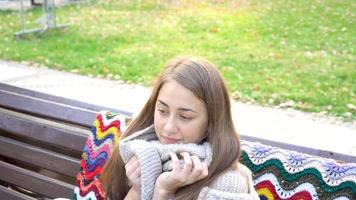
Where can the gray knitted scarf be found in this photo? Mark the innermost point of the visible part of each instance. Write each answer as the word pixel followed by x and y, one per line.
pixel 154 157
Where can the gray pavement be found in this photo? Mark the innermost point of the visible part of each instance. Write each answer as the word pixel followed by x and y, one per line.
pixel 287 126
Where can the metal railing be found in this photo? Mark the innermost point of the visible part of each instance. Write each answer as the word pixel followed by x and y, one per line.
pixel 47 21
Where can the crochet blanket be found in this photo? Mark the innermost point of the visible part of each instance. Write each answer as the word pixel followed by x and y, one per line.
pixel 105 134
pixel 282 174
pixel 277 173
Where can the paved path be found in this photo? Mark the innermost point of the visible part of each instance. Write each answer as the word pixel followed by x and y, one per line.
pixel 279 125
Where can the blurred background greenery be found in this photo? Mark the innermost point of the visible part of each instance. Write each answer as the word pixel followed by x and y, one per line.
pixel 298 54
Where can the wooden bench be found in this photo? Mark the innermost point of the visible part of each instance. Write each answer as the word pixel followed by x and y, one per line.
pixel 41 142
pixel 42 139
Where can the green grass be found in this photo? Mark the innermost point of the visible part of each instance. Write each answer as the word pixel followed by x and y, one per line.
pixel 269 51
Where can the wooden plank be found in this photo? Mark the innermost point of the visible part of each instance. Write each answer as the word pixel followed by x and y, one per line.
pixel 43 130
pixel 59 99
pixel 48 109
pixel 301 149
pixel 39 157
pixel 35 182
pixel 8 194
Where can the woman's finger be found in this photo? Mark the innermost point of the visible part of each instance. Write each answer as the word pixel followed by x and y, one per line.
pixel 205 169
pixel 137 172
pixel 175 162
pixel 132 166
pixel 198 167
pixel 133 172
pixel 188 164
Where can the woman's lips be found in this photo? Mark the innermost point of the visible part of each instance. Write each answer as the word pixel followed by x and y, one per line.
pixel 168 140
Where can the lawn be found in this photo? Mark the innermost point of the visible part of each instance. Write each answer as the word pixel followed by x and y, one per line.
pixel 271 52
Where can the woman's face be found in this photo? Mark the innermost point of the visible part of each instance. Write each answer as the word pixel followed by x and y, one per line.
pixel 180 117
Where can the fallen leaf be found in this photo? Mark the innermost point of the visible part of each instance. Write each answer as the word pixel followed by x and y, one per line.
pixel 214 30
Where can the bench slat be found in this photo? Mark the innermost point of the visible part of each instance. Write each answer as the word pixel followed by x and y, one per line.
pixel 9 194
pixel 49 109
pixel 38 183
pixel 49 97
pixel 302 149
pixel 43 130
pixel 39 157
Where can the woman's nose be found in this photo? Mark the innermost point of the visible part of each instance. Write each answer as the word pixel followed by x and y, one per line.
pixel 170 126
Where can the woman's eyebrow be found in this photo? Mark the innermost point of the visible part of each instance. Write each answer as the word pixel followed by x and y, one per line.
pixel 182 109
pixel 162 102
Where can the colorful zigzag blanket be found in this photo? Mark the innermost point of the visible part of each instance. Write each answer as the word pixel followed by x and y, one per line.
pixel 283 174
pixel 278 173
pixel 105 134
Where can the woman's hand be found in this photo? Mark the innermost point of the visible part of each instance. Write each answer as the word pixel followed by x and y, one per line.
pixel 192 171
pixel 133 173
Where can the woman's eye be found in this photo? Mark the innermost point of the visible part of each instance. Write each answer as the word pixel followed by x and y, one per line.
pixel 185 117
pixel 162 111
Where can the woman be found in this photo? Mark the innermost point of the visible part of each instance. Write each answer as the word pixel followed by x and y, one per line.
pixel 183 144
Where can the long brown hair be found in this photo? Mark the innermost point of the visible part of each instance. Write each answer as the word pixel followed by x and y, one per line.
pixel 203 79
